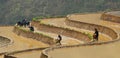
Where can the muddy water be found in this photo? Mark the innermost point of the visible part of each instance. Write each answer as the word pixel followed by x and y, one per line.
pixel 4 41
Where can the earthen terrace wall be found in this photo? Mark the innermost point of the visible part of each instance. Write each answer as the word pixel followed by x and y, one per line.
pixel 34 35
pixel 109 17
pixel 60 30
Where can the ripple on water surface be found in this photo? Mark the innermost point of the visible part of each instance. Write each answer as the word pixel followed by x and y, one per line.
pixel 4 41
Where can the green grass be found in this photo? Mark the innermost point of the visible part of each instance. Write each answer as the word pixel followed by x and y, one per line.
pixel 46 17
pixel 89 35
pixel 22 29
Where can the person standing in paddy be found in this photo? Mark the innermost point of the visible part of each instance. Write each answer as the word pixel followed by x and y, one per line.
pixel 96 35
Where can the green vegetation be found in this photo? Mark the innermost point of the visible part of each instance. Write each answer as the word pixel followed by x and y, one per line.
pixel 89 35
pixel 45 17
pixel 37 18
pixel 12 11
pixel 20 28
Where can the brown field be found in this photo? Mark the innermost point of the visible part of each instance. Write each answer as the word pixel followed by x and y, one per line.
pixel 97 51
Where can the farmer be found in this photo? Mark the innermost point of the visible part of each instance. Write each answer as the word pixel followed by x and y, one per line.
pixel 96 34
pixel 59 39
pixel 24 21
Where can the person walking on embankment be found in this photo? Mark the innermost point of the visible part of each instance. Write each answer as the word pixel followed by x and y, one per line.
pixel 59 39
pixel 95 35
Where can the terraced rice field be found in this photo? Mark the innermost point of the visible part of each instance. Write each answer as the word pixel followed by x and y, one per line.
pixel 97 51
